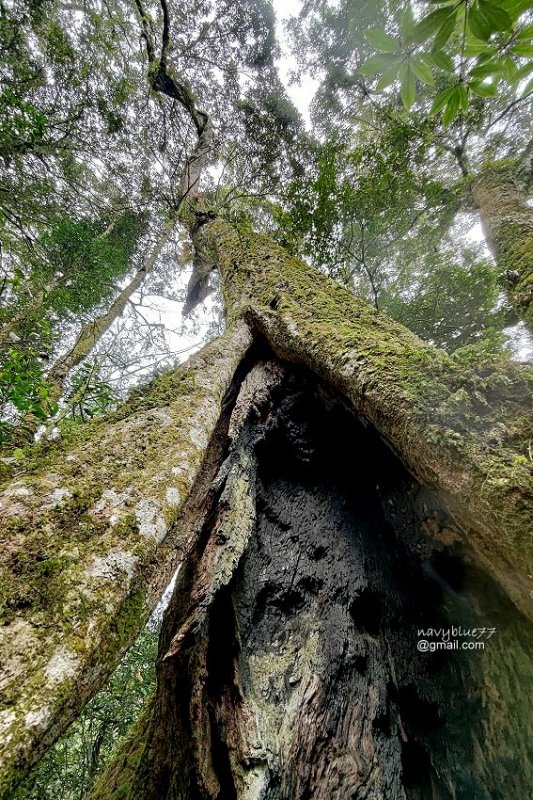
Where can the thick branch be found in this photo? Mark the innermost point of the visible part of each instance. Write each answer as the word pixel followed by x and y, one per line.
pixel 89 542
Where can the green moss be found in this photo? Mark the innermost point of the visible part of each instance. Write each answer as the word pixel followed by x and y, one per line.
pixel 458 422
pixel 120 779
pixel 82 552
pixel 132 616
pixel 515 255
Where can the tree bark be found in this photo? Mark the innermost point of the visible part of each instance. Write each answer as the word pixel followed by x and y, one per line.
pixel 463 435
pixel 288 665
pixel 448 423
pixel 507 222
pixel 91 538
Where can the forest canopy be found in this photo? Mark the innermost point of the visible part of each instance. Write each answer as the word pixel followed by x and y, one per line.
pixel 415 103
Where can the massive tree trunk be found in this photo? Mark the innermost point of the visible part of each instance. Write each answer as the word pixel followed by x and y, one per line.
pixel 287 662
pixel 288 659
pixel 507 222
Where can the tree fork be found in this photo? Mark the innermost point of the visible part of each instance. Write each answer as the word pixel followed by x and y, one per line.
pixel 104 506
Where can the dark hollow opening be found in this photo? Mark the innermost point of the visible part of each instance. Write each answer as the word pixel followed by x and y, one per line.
pixel 320 624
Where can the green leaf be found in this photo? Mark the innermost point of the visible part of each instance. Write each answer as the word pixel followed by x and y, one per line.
pixel 523 72
pixel 452 106
pixel 408 86
pixel 407 23
pixel 479 24
pixel 422 71
pixel 484 89
pixel 388 77
pixel 523 50
pixel 515 7
pixel 442 60
pixel 18 453
pixel 489 68
pixel 429 25
pixel 377 63
pixel 445 32
pixel 442 99
pixel 381 40
pixel 525 34
pixel 476 47
pixel 496 16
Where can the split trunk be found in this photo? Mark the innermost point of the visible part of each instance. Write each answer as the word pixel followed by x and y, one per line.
pixel 330 485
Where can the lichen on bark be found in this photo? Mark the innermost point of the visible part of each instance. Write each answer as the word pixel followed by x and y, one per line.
pixel 90 539
pixel 507 221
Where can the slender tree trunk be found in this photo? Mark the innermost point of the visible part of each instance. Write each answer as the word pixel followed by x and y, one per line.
pixel 507 222
pixel 92 332
pixel 89 535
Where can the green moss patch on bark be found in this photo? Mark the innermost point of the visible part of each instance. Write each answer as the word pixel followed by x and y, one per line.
pixel 507 222
pixel 117 781
pixel 89 542
pixel 462 430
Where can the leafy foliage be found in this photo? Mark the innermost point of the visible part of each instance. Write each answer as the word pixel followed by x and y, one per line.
pixel 471 45
pixel 69 769
pixel 455 303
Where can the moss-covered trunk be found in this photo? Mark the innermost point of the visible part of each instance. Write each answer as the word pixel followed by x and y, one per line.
pixel 288 663
pixel 95 530
pixel 91 532
pixel 507 222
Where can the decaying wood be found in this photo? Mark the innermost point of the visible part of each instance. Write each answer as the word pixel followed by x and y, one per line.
pixel 288 662
pixel 463 434
pixel 462 430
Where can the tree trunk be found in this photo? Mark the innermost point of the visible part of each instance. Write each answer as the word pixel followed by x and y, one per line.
pixel 93 331
pixel 332 372
pixel 89 336
pixel 507 222
pixel 288 663
pixel 90 539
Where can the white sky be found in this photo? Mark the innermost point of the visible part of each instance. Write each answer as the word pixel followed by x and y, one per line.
pixel 300 94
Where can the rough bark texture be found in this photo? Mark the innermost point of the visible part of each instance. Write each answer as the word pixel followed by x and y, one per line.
pixel 100 509
pixel 464 432
pixel 507 222
pixel 90 539
pixel 288 662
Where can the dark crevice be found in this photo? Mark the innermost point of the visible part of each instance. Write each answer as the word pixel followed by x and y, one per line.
pixel 318 630
pixel 221 654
